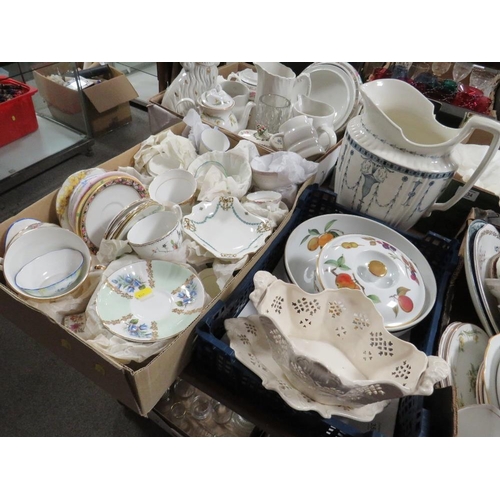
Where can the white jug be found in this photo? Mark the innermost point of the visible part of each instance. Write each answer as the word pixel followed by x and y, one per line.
pixel 395 159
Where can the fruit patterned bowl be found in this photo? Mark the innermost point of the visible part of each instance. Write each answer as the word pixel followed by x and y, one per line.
pixel 382 272
pixel 333 346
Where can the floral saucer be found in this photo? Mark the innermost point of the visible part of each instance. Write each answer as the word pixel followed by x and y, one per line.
pixel 149 301
pixel 252 350
pixel 242 232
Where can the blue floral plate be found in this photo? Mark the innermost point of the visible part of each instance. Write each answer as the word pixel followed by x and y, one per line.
pixel 150 301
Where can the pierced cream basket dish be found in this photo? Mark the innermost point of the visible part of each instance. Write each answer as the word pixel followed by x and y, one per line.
pixel 332 346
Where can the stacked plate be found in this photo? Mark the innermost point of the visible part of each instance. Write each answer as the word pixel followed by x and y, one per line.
pixel 404 281
pixel 463 346
pixel 89 200
pixel 482 246
pixel 338 84
pixel 121 224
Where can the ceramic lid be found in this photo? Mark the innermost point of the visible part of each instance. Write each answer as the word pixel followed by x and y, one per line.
pixel 382 272
pixel 217 98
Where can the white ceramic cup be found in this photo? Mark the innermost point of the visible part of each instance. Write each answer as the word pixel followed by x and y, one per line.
pixel 213 140
pixel 155 236
pixel 322 115
pixel 299 136
pixel 175 186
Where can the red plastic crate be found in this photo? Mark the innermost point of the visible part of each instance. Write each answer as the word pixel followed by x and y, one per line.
pixel 17 116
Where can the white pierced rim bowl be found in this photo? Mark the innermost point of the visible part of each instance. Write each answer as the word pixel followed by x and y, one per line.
pixel 50 274
pixel 333 346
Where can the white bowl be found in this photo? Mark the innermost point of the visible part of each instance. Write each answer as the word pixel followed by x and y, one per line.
pixel 333 345
pixel 34 243
pixel 51 274
pixel 231 166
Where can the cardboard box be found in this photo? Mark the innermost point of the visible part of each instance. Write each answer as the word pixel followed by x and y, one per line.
pixel 106 105
pixel 137 386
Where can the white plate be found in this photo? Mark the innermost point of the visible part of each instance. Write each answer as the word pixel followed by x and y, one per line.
pixel 486 246
pixel 333 85
pixel 107 199
pixel 470 275
pixel 467 346
pixel 491 362
pixel 149 301
pixel 380 270
pixel 226 229
pixel 479 421
pixel 301 255
pixel 251 348
pixel 16 227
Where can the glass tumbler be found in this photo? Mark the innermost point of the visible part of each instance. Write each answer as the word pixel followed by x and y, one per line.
pixel 272 110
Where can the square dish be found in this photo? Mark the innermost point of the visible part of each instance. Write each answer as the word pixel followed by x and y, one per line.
pixel 226 229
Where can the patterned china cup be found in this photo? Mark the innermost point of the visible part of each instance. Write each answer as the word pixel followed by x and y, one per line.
pixel 158 234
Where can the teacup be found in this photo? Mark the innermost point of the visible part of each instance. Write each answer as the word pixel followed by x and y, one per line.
pixel 213 140
pixel 174 186
pixel 299 136
pixel 155 236
pixel 322 115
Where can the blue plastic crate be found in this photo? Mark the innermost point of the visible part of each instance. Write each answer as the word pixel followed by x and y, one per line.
pixel 217 361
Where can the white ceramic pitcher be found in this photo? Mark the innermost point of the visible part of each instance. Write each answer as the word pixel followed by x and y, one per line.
pixel 395 159
pixel 276 78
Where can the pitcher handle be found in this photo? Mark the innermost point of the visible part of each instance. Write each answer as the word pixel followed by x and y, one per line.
pixel 330 133
pixel 479 123
pixel 303 77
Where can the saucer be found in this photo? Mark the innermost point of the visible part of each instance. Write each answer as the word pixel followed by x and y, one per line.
pixel 251 348
pixel 148 301
pixel 251 135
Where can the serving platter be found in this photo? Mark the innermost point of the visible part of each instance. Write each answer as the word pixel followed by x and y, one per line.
pixel 486 245
pixel 150 301
pixel 471 278
pixel 243 233
pixel 465 353
pixel 332 84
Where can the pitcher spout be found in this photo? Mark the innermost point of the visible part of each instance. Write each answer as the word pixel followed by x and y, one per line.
pixel 403 115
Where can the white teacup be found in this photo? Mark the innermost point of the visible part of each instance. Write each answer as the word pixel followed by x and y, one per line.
pixel 299 136
pixel 155 236
pixel 213 140
pixel 174 186
pixel 322 115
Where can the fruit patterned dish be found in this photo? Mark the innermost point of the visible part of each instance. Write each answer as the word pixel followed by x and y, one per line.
pixel 381 271
pixel 307 240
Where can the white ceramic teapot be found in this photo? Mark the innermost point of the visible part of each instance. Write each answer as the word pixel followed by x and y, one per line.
pixel 216 107
pixel 395 159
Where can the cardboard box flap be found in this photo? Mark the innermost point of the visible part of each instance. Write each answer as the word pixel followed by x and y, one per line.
pixel 111 93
